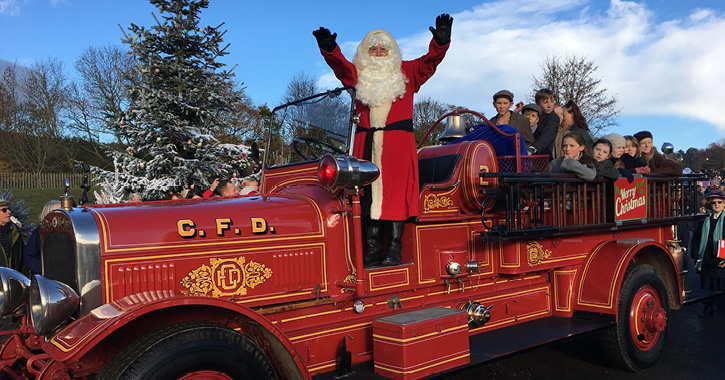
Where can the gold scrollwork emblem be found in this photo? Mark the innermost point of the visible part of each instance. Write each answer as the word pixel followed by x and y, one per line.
pixel 225 277
pixel 536 253
pixel 433 201
pixel 350 279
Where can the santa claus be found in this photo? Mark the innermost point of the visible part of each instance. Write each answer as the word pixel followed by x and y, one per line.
pixel 385 85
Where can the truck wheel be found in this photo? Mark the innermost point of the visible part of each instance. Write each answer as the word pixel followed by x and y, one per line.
pixel 189 351
pixel 637 341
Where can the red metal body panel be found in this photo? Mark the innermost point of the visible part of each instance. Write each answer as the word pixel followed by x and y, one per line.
pixel 602 274
pixel 416 344
pixel 75 340
pixel 462 192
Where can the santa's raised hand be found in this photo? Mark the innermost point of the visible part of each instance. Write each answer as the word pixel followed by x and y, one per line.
pixel 442 31
pixel 326 40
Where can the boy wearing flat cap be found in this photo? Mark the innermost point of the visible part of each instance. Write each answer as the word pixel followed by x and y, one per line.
pixel 503 101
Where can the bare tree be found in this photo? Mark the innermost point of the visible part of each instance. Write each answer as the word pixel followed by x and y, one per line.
pixel 98 98
pixel 32 122
pixel 301 85
pixel 10 105
pixel 426 111
pixel 573 78
pixel 243 122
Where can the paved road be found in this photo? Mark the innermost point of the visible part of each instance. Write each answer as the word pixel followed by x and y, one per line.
pixel 694 350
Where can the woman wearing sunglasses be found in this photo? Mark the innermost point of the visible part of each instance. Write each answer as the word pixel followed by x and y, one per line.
pixel 708 249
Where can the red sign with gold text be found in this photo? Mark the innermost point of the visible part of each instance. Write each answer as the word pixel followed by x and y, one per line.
pixel 630 199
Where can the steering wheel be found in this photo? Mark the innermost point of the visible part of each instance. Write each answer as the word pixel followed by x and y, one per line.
pixel 312 148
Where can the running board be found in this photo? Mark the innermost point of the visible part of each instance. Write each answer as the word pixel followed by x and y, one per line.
pixel 699 295
pixel 505 341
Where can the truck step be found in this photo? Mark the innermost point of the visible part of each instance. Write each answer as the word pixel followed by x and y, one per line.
pixel 506 341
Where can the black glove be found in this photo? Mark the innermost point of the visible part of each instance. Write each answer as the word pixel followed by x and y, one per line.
pixel 627 174
pixel 442 32
pixel 325 40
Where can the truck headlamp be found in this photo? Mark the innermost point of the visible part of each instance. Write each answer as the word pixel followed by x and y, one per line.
pixel 51 303
pixel 345 171
pixel 14 291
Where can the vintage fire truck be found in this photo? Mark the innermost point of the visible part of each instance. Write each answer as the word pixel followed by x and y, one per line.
pixel 503 256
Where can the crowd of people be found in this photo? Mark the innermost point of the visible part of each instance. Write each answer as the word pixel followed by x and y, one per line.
pixel 562 133
pixel 220 187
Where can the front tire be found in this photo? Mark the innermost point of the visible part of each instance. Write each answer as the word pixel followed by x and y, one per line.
pixel 191 350
pixel 637 341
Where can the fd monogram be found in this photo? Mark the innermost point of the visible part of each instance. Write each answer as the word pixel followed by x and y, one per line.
pixel 225 277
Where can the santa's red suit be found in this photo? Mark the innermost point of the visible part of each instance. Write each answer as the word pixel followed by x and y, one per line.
pixel 395 193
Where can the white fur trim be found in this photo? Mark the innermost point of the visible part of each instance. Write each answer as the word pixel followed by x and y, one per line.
pixel 378 117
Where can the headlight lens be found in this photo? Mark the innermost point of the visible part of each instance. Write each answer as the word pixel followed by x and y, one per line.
pixel 14 290
pixel 51 303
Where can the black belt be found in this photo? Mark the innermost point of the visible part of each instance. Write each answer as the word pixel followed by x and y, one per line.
pixel 402 125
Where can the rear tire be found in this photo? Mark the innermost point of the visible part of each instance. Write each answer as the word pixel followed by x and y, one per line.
pixel 191 350
pixel 637 341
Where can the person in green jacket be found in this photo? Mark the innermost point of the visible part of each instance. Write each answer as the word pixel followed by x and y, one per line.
pixel 601 150
pixel 11 241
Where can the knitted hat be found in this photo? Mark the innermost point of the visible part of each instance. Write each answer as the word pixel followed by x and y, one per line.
pixel 616 139
pixel 642 135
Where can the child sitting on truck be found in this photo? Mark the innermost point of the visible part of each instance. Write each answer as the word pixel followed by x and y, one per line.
pixel 576 159
pixel 601 150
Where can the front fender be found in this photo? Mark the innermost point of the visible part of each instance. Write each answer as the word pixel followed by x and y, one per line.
pixel 601 277
pixel 133 314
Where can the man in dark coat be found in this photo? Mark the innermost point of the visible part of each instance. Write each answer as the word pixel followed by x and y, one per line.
pixel 11 241
pixel 545 134
pixel 385 85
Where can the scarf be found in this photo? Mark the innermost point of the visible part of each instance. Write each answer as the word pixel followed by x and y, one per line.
pixel 716 236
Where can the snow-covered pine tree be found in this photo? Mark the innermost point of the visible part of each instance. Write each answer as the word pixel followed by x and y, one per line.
pixel 180 95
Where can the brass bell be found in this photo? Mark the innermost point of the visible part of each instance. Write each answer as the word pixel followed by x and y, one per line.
pixel 455 129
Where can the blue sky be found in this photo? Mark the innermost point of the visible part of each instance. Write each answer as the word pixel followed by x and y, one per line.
pixel 663 59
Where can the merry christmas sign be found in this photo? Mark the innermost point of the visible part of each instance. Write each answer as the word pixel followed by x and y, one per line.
pixel 630 199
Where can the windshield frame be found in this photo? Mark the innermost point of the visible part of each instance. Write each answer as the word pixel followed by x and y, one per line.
pixel 350 138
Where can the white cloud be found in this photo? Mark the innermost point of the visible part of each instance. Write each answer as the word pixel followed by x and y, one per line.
pixel 11 7
pixel 673 66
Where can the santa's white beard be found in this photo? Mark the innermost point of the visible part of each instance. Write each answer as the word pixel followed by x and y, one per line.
pixel 380 81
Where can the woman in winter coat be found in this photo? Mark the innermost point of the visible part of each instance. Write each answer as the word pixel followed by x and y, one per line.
pixel 658 164
pixel 705 245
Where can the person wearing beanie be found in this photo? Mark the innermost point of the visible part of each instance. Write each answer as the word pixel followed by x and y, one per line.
pixel 502 102
pixel 625 162
pixel 658 164
pixel 11 241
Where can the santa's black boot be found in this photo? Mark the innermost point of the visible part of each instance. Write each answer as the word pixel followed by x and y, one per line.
pixel 393 232
pixel 373 244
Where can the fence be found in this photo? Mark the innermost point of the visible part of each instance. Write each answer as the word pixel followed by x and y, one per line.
pixel 41 180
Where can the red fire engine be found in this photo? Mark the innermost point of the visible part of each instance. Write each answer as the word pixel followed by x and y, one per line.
pixel 503 256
